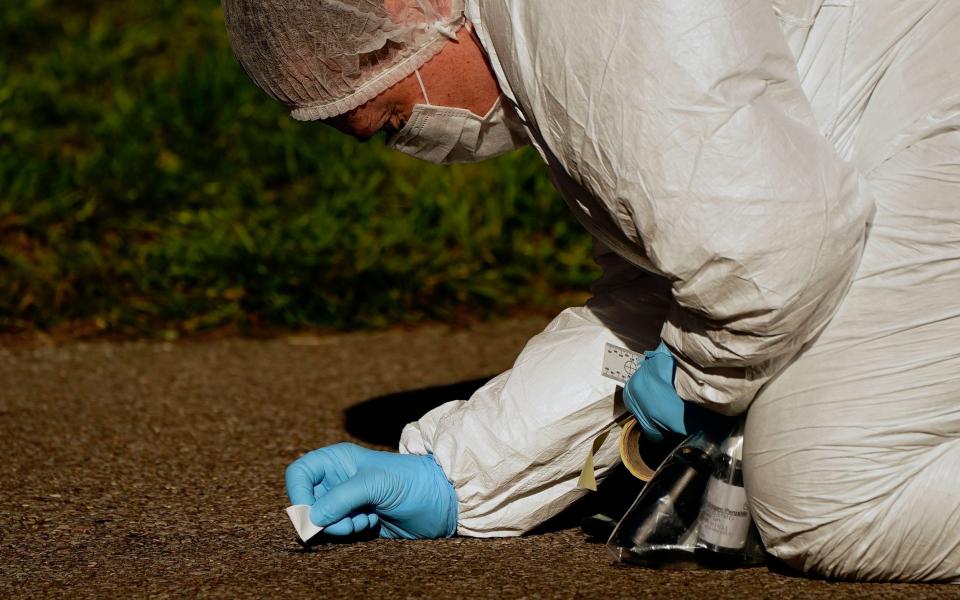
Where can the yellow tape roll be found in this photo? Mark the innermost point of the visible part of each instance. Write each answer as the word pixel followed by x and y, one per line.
pixel 631 436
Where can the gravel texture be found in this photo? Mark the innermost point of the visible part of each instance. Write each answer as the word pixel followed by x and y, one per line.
pixel 155 469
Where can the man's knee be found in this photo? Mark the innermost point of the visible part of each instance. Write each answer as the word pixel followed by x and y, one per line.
pixel 902 527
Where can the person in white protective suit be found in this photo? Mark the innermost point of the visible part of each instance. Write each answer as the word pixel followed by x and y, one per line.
pixel 774 189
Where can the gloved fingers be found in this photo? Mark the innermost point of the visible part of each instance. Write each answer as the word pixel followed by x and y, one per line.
pixel 390 531
pixel 650 401
pixel 361 522
pixel 352 525
pixel 341 528
pixel 321 488
pixel 302 476
pixel 341 501
pixel 325 467
pixel 651 432
pixel 651 397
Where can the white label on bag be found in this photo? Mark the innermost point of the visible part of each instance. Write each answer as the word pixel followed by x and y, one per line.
pixel 619 363
pixel 725 518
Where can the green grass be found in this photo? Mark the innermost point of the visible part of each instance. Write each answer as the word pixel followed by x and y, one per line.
pixel 147 186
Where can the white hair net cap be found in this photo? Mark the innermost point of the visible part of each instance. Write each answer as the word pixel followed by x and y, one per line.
pixel 323 58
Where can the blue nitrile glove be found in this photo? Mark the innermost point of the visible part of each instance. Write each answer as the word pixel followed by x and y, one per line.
pixel 651 397
pixel 352 489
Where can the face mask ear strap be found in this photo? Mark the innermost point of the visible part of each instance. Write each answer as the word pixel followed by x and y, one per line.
pixel 422 88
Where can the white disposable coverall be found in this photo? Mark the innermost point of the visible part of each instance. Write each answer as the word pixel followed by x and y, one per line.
pixel 728 156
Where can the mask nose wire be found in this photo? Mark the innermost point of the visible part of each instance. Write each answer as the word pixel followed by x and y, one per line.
pixel 422 88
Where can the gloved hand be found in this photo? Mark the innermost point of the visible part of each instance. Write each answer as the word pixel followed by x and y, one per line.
pixel 352 489
pixel 651 397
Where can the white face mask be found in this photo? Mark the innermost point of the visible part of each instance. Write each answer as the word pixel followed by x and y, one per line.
pixel 444 135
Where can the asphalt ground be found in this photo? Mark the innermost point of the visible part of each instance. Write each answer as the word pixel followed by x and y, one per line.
pixel 155 469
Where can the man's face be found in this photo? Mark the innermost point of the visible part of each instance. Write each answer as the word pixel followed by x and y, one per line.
pixel 365 121
pixel 387 112
pixel 458 76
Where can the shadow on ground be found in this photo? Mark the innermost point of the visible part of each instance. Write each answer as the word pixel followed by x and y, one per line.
pixel 380 420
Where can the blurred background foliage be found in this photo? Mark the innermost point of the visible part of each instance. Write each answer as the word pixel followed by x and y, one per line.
pixel 148 188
